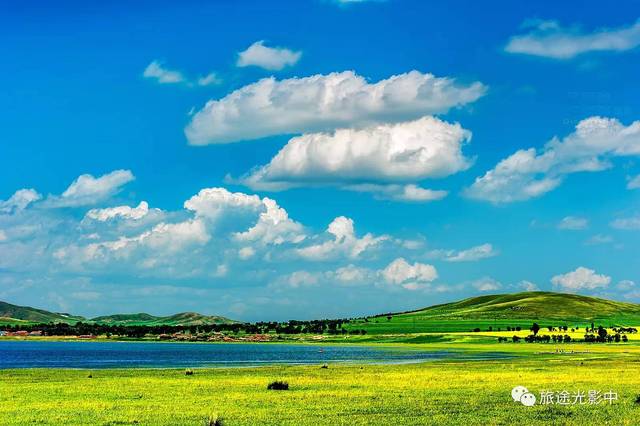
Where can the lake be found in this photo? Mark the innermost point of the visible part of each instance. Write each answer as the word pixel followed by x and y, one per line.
pixel 42 354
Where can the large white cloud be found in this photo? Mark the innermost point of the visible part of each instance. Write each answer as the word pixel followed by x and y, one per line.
pixel 549 39
pixel 273 224
pixel 528 173
pixel 580 279
pixel 324 102
pixel 408 151
pixel 211 203
pixel 87 189
pixel 269 58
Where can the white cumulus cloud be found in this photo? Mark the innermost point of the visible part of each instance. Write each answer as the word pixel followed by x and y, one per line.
pixel 529 173
pixel 87 189
pixel 409 151
pixel 273 227
pixel 323 103
pixel 269 58
pixel 549 39
pixel 409 276
pixel 344 242
pixel 19 200
pixel 580 279
pixel 125 212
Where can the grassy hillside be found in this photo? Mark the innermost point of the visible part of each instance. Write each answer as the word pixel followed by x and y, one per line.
pixel 14 314
pixel 506 310
pixel 17 315
pixel 184 318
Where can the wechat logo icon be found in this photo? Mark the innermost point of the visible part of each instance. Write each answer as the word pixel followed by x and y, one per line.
pixel 522 395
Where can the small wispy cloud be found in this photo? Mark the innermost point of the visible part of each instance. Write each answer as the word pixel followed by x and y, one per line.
pixel 269 58
pixel 573 223
pixel 634 183
pixel 551 40
pixel 627 223
pixel 157 71
pixel 472 254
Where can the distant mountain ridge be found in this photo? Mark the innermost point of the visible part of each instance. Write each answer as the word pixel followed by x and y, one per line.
pixel 14 314
pixel 182 318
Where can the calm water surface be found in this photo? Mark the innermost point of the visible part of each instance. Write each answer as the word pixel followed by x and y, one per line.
pixel 40 354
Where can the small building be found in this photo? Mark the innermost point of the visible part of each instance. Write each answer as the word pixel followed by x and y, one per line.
pixel 35 333
pixel 22 333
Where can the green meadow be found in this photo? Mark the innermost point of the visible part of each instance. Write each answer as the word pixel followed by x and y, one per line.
pixel 457 391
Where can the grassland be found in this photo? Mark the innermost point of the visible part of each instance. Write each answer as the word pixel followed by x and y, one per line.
pixel 439 392
pixel 502 311
pixel 460 392
pixel 14 314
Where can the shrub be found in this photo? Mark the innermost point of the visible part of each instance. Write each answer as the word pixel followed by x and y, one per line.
pixel 637 399
pixel 278 385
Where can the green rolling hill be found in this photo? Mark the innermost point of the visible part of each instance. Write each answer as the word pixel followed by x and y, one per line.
pixel 505 310
pixel 183 318
pixel 16 315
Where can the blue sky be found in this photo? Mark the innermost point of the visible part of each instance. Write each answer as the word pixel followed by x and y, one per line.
pixel 276 160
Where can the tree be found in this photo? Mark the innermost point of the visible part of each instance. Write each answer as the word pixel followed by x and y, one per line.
pixel 535 328
pixel 602 333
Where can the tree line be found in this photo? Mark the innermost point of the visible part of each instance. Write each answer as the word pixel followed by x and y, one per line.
pixel 138 331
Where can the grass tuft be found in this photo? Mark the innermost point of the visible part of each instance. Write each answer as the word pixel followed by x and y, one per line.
pixel 214 421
